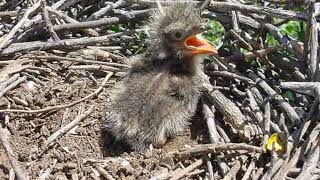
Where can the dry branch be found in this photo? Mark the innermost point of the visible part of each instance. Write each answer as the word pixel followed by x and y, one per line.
pixel 209 117
pixel 12 85
pixel 96 68
pixel 98 23
pixel 7 82
pixel 224 18
pixel 259 10
pixel 8 13
pixel 4 138
pixel 49 25
pixel 286 107
pixel 62 44
pixel 65 129
pixel 59 58
pixel 232 113
pixel 202 149
pixel 312 46
pixel 230 75
pixel 58 107
pixel 5 42
pixel 104 173
pixel 249 170
pixel 233 171
pixel 182 172
pixel 68 19
pixel 101 12
pixel 87 24
pixel 308 88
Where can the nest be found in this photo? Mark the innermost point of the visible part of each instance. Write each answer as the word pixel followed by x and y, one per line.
pixel 258 119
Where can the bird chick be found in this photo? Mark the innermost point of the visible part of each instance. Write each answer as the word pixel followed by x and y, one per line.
pixel 160 93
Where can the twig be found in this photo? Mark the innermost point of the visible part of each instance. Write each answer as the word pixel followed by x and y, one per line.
pixel 257 174
pixel 59 5
pixel 99 22
pixel 312 48
pixel 232 113
pixel 104 10
pixel 183 172
pixel 210 169
pixel 150 2
pixel 5 41
pixel 67 43
pixel 290 163
pixel 209 117
pixel 267 120
pixel 235 21
pixel 4 138
pixel 46 173
pixel 7 82
pixel 216 148
pixel 233 171
pixel 239 38
pixel 9 13
pixel 273 169
pixel 12 85
pixel 223 134
pixel 301 87
pixel 104 173
pixel 259 10
pixel 230 75
pixel 205 4
pixel 63 130
pixel 60 58
pixel 311 163
pixel 58 107
pixel 87 24
pixel 223 18
pixel 96 67
pixel 263 52
pixel 249 170
pixel 290 45
pixel 286 107
pixel 48 22
pixel 71 20
pixel 195 172
pixel 62 4
pixel 254 107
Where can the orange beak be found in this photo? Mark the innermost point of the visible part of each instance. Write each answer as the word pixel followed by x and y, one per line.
pixel 197 45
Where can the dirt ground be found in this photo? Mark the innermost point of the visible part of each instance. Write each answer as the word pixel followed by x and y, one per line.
pixel 76 154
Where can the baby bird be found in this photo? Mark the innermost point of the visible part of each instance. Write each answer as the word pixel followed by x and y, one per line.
pixel 160 93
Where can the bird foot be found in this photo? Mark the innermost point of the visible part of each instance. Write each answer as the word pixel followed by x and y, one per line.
pixel 160 140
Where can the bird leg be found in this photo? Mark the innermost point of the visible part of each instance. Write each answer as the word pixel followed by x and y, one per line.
pixel 160 139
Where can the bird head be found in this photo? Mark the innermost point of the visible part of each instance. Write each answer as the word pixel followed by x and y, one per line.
pixel 176 31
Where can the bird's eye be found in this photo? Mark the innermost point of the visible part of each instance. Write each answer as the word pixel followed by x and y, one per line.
pixel 177 35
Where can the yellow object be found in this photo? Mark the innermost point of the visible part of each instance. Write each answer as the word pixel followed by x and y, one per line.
pixel 274 143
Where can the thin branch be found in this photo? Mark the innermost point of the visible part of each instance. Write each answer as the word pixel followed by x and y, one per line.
pixel 6 40
pixel 4 139
pixel 48 22
pixel 185 171
pixel 58 107
pixel 62 44
pixel 202 149
pixel 259 10
pixel 63 130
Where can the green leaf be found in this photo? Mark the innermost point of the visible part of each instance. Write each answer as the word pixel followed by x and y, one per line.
pixel 271 41
pixel 295 29
pixel 215 33
pixel 289 94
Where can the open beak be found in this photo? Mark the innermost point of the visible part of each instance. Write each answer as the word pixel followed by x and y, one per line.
pixel 198 45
